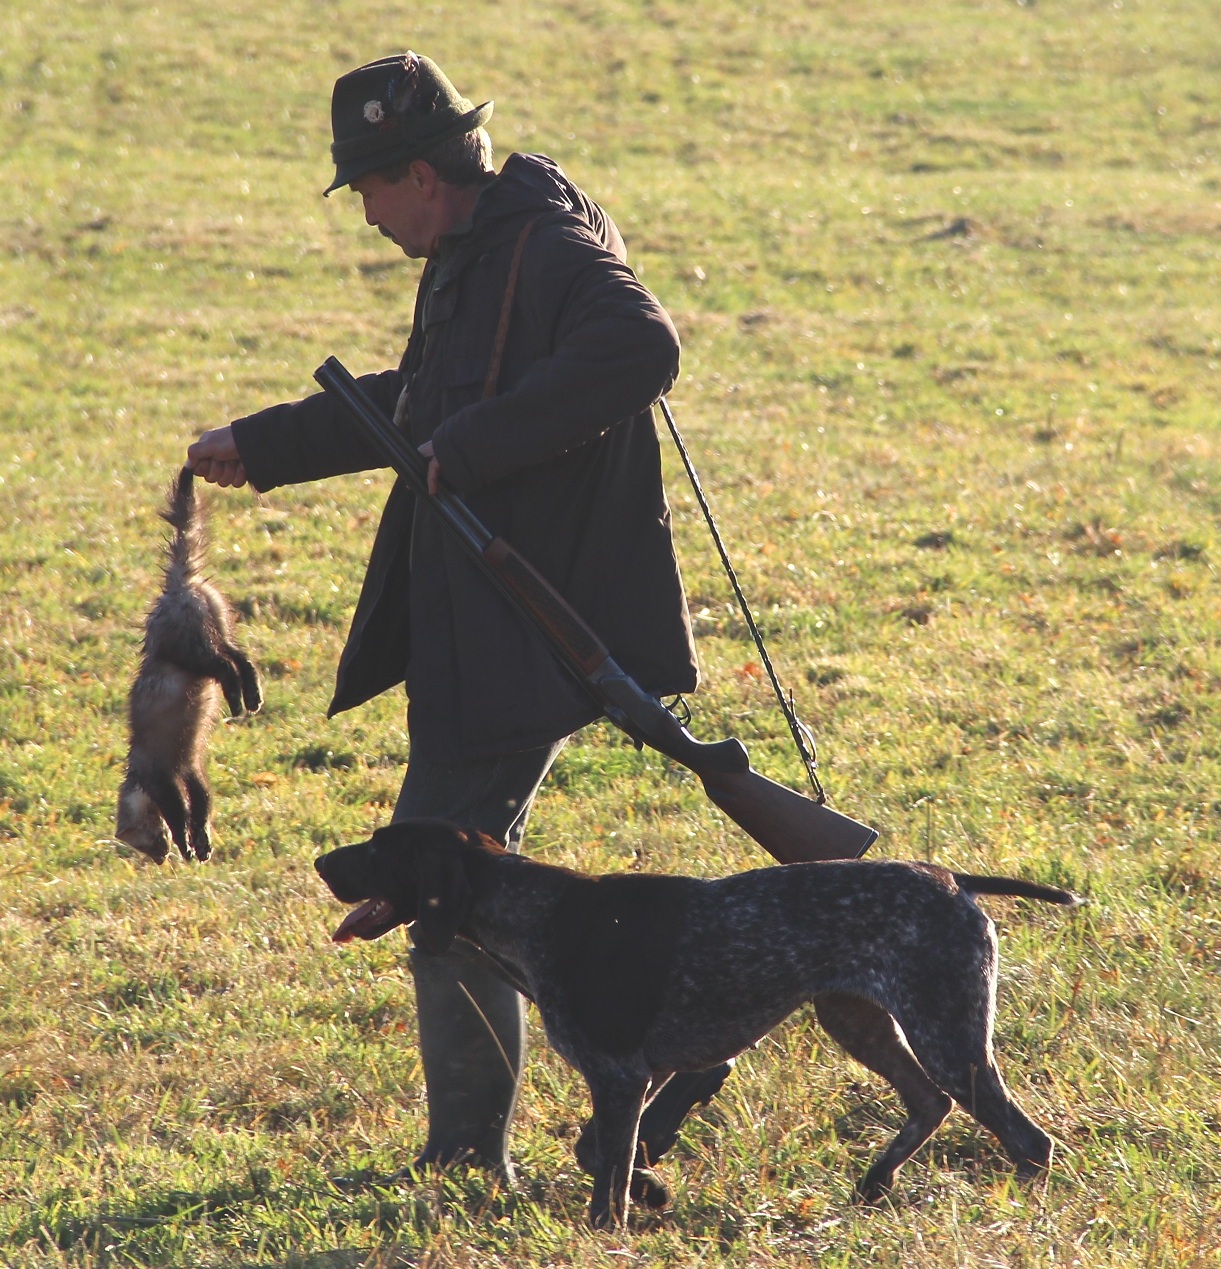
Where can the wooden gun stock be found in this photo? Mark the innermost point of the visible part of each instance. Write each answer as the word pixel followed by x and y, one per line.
pixel 789 826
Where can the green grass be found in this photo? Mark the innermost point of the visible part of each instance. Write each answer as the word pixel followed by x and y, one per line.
pixel 946 278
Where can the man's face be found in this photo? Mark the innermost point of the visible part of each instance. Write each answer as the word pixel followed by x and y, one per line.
pixel 398 210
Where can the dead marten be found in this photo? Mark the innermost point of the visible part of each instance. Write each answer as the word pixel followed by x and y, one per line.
pixel 189 662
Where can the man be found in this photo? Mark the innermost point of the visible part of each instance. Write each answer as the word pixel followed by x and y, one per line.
pixel 534 359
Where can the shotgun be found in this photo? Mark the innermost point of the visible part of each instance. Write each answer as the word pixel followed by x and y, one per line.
pixel 791 827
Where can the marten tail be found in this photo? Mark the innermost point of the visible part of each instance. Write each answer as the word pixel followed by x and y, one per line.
pixel 186 548
pixel 1020 889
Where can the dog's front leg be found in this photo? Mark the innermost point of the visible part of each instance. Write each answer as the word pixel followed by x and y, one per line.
pixel 618 1094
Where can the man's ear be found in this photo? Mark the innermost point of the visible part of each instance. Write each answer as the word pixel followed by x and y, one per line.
pixel 444 896
pixel 423 177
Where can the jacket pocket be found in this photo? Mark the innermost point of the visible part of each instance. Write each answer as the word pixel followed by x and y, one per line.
pixel 462 385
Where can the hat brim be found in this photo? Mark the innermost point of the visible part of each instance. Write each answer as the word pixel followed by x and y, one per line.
pixel 400 151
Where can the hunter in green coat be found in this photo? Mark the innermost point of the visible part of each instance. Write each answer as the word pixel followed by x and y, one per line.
pixel 562 462
pixel 534 359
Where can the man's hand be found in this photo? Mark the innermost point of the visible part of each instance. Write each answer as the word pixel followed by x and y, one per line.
pixel 214 458
pixel 434 468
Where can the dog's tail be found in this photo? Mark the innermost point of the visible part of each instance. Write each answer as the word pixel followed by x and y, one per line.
pixel 186 548
pixel 1020 889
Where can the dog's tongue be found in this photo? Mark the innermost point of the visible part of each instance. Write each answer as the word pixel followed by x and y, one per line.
pixel 370 915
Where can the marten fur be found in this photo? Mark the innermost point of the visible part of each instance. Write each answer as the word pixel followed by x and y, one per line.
pixel 189 662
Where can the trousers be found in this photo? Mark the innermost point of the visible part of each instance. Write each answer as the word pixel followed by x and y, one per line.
pixel 472 1023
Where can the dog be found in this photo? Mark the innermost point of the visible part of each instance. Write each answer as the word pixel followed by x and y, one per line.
pixel 638 976
pixel 189 662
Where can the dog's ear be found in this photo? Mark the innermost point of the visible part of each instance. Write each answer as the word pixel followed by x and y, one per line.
pixel 444 896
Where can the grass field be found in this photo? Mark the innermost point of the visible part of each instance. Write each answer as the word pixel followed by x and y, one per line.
pixel 947 279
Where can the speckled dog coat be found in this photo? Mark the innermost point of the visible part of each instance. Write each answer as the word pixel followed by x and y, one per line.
pixel 639 976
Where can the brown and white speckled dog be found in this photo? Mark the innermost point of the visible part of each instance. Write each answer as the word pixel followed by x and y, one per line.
pixel 639 976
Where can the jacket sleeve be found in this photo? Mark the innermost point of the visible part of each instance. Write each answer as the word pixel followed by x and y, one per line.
pixel 613 352
pixel 309 439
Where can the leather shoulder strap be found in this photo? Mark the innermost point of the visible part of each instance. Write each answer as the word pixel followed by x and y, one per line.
pixel 506 309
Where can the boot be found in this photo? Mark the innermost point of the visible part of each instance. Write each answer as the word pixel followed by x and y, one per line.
pixel 472 1042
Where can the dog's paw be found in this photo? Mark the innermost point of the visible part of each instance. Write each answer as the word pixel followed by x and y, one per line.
pixel 649 1189
pixel 586 1150
pixel 875 1185
pixel 1034 1171
pixel 602 1217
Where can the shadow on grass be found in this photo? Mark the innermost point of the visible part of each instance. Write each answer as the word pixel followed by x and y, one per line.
pixel 152 1229
pixel 385 1258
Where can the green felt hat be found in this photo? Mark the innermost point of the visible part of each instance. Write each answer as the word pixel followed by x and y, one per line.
pixel 391 111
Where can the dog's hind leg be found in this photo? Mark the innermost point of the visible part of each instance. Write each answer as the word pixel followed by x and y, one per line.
pixel 618 1098
pixel 871 1036
pixel 954 1045
pixel 976 1085
pixel 1025 1142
